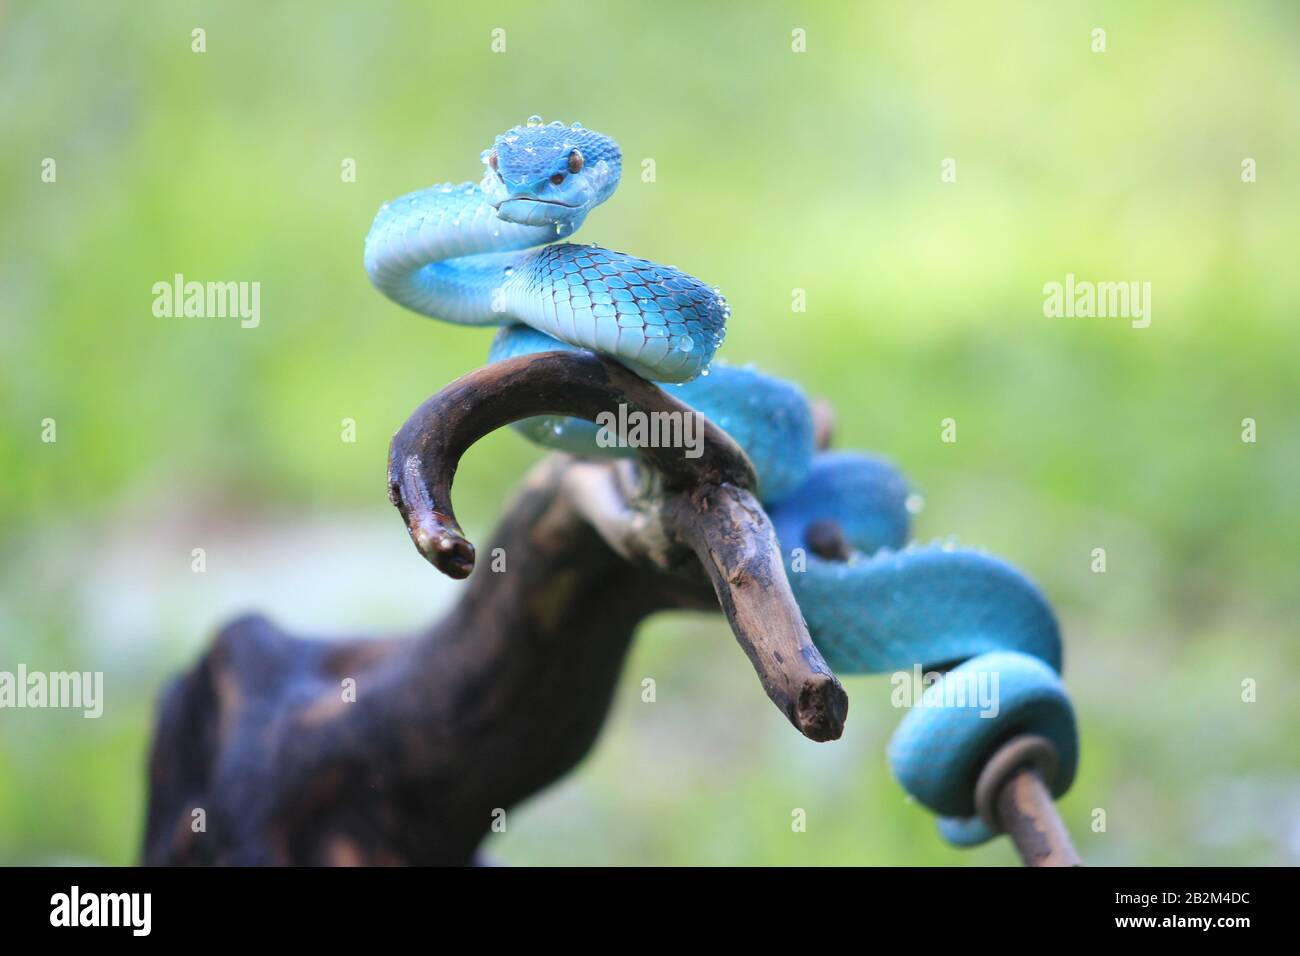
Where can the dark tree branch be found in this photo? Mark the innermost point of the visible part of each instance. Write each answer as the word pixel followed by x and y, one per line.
pixel 730 533
pixel 704 504
pixel 509 690
pixel 499 698
pixel 424 453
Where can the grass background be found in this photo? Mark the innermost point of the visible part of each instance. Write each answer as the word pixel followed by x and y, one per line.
pixel 775 171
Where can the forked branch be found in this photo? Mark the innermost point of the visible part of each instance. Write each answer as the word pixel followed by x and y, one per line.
pixel 507 691
pixel 700 506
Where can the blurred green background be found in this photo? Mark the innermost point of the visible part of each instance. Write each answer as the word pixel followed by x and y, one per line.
pixel 775 171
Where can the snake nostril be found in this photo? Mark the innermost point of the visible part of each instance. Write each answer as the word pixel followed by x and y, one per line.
pixel 557 178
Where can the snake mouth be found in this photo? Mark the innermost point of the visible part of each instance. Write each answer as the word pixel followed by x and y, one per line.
pixel 534 211
pixel 537 202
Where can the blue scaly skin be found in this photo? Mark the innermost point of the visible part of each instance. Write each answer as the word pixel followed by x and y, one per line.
pixel 889 606
pixel 464 254
pixel 486 255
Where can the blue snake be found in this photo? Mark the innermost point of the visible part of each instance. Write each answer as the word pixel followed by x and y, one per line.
pixel 486 254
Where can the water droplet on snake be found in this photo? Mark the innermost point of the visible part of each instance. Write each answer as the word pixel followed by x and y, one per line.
pixel 686 343
pixel 534 120
pixel 915 504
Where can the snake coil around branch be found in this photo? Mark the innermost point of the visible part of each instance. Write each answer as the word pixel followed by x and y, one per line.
pixel 485 255
pixel 805 550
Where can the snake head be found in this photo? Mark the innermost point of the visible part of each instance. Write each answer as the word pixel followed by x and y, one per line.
pixel 550 175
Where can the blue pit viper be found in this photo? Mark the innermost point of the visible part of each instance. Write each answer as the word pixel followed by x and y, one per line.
pixel 485 254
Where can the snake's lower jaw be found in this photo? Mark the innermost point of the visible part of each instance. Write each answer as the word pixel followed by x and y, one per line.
pixel 533 212
pixel 443 545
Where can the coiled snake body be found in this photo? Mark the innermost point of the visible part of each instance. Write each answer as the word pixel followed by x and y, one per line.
pixel 484 254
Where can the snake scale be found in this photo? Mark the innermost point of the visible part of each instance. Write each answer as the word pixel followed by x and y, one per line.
pixel 487 254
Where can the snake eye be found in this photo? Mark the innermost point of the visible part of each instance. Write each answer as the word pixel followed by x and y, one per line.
pixel 575 162
pixel 557 178
pixel 492 159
